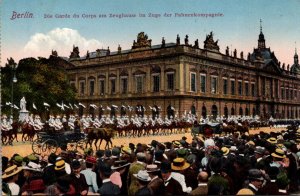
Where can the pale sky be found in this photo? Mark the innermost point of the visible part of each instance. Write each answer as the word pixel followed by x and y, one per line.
pixel 237 27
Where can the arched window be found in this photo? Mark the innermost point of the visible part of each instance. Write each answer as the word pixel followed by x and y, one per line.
pixel 170 111
pixel 253 112
pixel 247 111
pixel 193 110
pixel 204 112
pixel 241 111
pixel 214 111
pixel 232 111
pixel 226 112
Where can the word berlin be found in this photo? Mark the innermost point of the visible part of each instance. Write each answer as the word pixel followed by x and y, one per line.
pixel 16 15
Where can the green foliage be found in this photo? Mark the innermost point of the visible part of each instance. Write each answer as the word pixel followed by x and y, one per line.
pixel 39 80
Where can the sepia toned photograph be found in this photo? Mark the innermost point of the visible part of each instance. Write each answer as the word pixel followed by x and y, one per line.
pixel 167 97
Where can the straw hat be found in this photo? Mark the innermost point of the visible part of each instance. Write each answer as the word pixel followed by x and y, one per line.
pixel 245 191
pixel 225 151
pixel 279 153
pixel 152 168
pixel 33 167
pixel 59 164
pixel 11 171
pixel 119 164
pixel 272 140
pixel 179 164
pixel 143 176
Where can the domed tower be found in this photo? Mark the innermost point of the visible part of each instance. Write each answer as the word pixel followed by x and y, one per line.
pixel 261 39
pixel 295 69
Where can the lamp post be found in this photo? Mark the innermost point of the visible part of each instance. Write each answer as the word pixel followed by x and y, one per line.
pixel 13 65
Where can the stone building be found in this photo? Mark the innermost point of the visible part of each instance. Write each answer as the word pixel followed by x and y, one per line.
pixel 175 78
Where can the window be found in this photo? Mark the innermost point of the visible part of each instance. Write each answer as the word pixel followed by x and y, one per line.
pixel 124 82
pixel 214 83
pixel 240 88
pixel 170 81
pixel 291 94
pixel 102 87
pixel 282 92
pixel 82 87
pixel 225 86
pixel 203 83
pixel 287 93
pixel 193 82
pixel 253 89
pixel 92 86
pixel 276 88
pixel 295 96
pixel 263 87
pixel 139 84
pixel 156 82
pixel 232 85
pixel 73 85
pixel 113 86
pixel 246 88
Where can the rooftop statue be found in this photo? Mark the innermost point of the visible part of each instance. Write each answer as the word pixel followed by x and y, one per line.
pixel 75 52
pixel 142 41
pixel 210 44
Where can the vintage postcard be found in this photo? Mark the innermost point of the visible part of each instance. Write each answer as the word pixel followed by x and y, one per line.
pixel 140 75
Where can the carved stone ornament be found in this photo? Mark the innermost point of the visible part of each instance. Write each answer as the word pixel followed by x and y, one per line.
pixel 210 44
pixel 142 41
pixel 75 52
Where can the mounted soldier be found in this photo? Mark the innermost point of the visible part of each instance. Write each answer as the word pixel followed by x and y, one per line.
pixel 38 125
pixel 5 126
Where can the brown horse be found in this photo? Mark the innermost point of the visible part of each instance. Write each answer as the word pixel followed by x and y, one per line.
pixel 96 134
pixel 28 132
pixel 9 135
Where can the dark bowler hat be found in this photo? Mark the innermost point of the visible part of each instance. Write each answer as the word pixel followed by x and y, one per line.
pixel 255 174
pixel 75 164
pixel 165 167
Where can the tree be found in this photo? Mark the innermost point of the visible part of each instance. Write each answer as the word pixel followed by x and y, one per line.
pixel 39 80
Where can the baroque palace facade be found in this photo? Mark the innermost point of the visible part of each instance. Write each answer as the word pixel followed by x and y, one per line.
pixel 176 78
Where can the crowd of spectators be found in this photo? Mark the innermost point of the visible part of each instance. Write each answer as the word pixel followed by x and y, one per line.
pixel 260 164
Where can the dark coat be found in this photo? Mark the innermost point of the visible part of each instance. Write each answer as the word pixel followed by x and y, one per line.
pixel 108 188
pixel 49 175
pixel 173 188
pixel 143 191
pixel 79 183
pixel 156 186
pixel 270 188
pixel 200 190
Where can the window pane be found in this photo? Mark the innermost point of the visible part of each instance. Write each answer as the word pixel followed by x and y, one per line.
pixel 203 83
pixel 139 84
pixel 113 86
pixel 193 82
pixel 225 86
pixel 156 83
pixel 124 85
pixel 247 89
pixel 240 89
pixel 214 81
pixel 232 84
pixel 82 88
pixel 102 87
pixel 170 81
pixel 253 90
pixel 92 83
